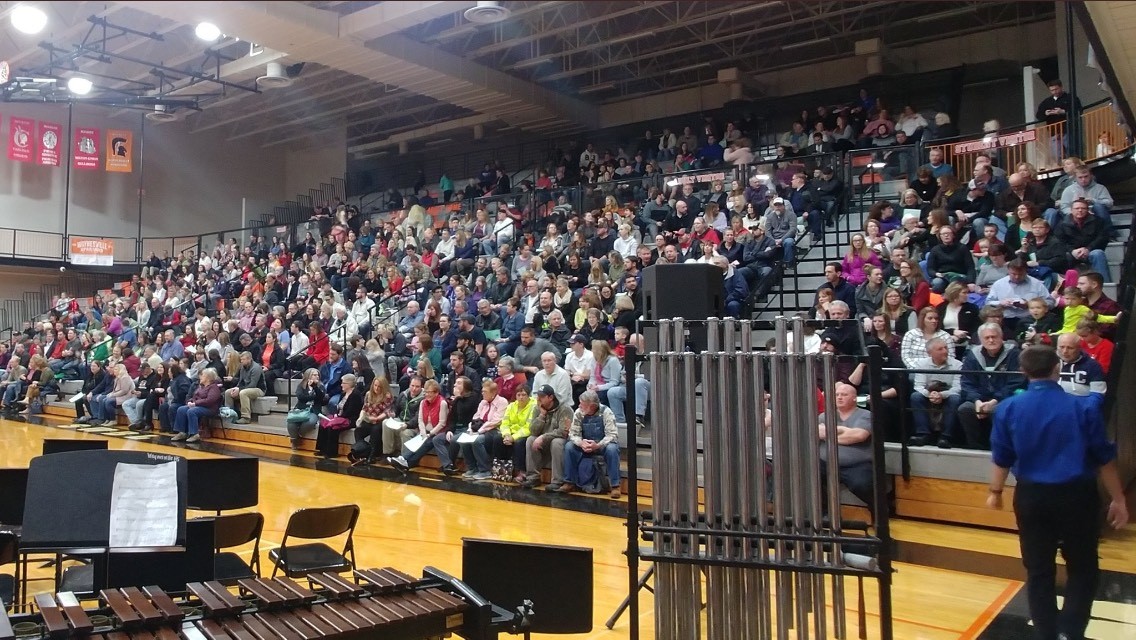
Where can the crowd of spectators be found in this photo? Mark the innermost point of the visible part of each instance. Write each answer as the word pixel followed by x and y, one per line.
pixel 495 331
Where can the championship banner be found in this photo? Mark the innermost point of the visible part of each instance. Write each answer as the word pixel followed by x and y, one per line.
pixel 120 151
pixel 86 155
pixel 21 139
pixel 92 251
pixel 50 137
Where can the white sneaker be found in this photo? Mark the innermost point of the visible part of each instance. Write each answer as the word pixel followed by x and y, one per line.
pixel 193 438
pixel 468 474
pixel 179 437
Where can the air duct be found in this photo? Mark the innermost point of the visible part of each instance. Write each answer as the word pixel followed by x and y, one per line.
pixel 274 77
pixel 487 13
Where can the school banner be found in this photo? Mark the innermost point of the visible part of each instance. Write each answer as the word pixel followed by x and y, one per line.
pixel 120 151
pixel 21 139
pixel 50 137
pixel 92 251
pixel 86 155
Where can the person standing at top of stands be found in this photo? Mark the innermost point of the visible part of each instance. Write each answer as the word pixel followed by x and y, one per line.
pixel 1057 106
pixel 1055 444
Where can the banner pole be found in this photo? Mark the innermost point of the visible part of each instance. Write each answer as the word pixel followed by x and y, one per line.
pixel 67 182
pixel 141 186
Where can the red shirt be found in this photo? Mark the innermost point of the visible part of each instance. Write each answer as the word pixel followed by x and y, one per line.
pixel 318 347
pixel 1101 352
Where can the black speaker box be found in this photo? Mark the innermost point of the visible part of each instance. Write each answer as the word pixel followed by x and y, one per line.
pixel 691 291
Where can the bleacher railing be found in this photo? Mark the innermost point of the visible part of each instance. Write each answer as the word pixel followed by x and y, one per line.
pixel 1043 145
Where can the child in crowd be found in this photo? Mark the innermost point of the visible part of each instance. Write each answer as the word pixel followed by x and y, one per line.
pixel 1045 322
pixel 1076 309
pixel 981 248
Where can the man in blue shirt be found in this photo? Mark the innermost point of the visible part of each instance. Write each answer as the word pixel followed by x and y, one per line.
pixel 1055 445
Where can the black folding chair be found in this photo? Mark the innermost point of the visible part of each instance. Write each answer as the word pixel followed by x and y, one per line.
pixel 320 523
pixel 235 530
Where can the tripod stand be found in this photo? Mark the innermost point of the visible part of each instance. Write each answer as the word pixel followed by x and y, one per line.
pixel 643 579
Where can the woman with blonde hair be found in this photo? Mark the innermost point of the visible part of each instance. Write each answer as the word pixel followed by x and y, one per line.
pixel 858 257
pixel 376 409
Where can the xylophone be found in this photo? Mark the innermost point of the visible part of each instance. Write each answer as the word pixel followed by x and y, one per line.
pixel 378 603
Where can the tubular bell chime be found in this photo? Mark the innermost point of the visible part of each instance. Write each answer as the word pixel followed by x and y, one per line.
pixel 746 534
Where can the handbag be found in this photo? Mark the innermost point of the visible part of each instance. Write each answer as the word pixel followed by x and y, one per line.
pixel 335 423
pixel 299 415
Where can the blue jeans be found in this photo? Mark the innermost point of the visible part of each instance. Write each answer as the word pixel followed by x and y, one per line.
pixel 188 418
pixel 167 413
pixel 1052 216
pixel 787 244
pixel 1102 212
pixel 11 393
pixel 1099 261
pixel 920 413
pixel 133 409
pixel 574 454
pixel 617 396
pixel 476 454
pixel 105 408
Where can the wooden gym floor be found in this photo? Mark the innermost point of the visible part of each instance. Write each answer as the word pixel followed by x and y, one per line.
pixel 952 582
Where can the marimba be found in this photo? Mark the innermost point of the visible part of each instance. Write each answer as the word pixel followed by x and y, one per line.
pixel 378 603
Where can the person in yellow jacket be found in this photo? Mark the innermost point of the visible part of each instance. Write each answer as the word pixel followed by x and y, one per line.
pixel 515 433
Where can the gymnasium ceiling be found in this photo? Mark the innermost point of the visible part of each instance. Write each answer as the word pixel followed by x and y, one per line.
pixel 415 70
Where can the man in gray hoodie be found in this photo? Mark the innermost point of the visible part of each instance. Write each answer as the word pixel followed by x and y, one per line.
pixel 1100 200
pixel 781 226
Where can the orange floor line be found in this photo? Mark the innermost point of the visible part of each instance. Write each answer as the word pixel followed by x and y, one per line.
pixel 991 611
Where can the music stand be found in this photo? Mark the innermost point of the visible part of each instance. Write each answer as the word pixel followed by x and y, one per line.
pixel 69 496
pixel 221 484
pixel 503 573
pixel 63 445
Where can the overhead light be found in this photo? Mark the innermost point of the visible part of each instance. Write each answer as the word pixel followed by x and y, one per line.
pixel 533 62
pixel 28 19
pixel 806 43
pixel 207 31
pixel 275 77
pixel 945 14
pixel 160 114
pixel 878 165
pixel 753 7
pixel 436 142
pixel 762 176
pixel 603 86
pixel 79 86
pixel 691 67
pixel 628 38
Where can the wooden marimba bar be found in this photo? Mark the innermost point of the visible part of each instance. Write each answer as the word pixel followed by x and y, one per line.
pixel 379 603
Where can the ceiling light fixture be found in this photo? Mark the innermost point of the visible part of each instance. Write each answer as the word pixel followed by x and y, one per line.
pixel 691 67
pixel 603 86
pixel 207 31
pixel 533 62
pixel 80 86
pixel 28 19
pixel 800 45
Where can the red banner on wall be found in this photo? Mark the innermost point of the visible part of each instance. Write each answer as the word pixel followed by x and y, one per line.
pixel 21 139
pixel 50 141
pixel 86 152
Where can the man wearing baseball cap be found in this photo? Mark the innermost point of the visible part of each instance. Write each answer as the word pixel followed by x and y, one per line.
pixel 781 225
pixel 548 432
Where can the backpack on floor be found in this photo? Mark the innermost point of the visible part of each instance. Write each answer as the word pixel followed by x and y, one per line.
pixel 591 475
pixel 361 450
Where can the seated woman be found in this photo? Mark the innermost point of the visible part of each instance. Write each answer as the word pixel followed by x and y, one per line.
pixel 507 381
pixel 462 406
pixel 176 395
pixel 376 409
pixel 205 403
pixel 348 410
pixel 433 420
pixel 310 396
pixel 485 423
pixel 514 435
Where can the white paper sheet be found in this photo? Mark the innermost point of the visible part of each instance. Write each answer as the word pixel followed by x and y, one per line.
pixel 394 425
pixel 468 437
pixel 77 397
pixel 144 505
pixel 417 442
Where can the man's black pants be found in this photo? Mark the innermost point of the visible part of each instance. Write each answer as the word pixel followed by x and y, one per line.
pixel 1063 517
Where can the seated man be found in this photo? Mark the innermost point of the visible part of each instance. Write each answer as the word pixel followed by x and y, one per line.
pixel 853 433
pixel 1094 194
pixel 617 395
pixel 735 288
pixel 1086 237
pixel 249 387
pixel 935 392
pixel 548 433
pixel 990 375
pixel 593 433
pixel 1080 374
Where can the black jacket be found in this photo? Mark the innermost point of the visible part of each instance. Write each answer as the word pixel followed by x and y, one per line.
pixel 1091 234
pixel 954 258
